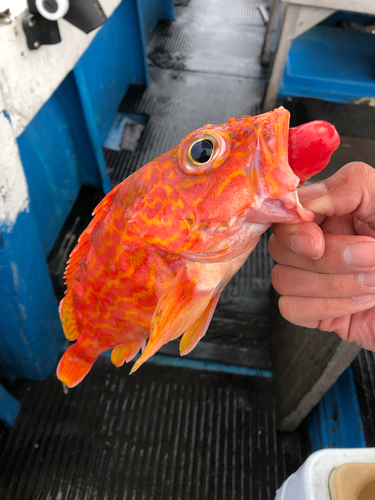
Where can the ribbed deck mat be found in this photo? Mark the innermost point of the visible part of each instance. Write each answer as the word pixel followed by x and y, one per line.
pixel 210 37
pixel 357 122
pixel 350 119
pixel 178 103
pixel 163 433
pixel 364 376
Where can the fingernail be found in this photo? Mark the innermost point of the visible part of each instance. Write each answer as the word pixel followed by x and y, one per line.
pixel 364 298
pixel 366 279
pixel 303 244
pixel 360 254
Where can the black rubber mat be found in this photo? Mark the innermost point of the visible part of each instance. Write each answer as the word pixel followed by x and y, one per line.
pixel 350 119
pixel 177 103
pixel 209 37
pixel 364 376
pixel 163 433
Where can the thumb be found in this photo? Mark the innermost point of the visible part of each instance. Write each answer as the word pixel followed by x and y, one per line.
pixel 351 190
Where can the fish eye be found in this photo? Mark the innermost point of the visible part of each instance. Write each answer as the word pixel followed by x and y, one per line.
pixel 201 151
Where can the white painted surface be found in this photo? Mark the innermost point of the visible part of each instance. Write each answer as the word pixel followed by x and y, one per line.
pixel 362 6
pixel 28 78
pixel 310 482
pixel 14 196
pixel 15 6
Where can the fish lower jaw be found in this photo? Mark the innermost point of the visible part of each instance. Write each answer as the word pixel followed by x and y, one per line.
pixel 286 209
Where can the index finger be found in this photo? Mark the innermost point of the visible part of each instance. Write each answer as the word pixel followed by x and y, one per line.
pixel 351 190
pixel 305 239
pixel 343 254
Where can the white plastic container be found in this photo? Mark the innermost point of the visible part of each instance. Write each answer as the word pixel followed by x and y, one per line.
pixel 311 481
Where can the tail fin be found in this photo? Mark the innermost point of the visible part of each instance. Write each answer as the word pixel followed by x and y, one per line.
pixel 73 367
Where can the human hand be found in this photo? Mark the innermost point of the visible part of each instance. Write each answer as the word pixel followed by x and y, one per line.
pixel 325 269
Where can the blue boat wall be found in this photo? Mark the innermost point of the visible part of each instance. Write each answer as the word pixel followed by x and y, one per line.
pixel 57 106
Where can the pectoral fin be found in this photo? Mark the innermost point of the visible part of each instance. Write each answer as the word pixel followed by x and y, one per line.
pixel 198 330
pixel 178 309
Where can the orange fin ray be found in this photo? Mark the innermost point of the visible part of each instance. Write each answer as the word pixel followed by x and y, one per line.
pixel 74 365
pixel 177 310
pixel 198 330
pixel 68 317
pixel 126 352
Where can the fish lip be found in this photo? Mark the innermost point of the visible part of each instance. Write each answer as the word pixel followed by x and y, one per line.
pixel 285 209
pixel 293 206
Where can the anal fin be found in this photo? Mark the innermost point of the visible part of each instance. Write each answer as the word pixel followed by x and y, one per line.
pixel 198 330
pixel 126 352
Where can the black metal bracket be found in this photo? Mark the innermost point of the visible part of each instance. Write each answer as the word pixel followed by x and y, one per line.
pixel 39 31
pixel 86 15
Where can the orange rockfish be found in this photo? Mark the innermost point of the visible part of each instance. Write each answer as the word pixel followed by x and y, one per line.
pixel 165 242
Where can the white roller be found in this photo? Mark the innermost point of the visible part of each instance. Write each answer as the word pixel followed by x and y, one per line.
pixel 62 9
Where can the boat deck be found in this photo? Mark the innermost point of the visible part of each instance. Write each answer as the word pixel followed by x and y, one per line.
pixel 201 427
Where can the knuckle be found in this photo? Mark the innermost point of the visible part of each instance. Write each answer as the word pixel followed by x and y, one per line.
pixel 279 278
pixel 356 169
pixel 336 284
pixel 288 308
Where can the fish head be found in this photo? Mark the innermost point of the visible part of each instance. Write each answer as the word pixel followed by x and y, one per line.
pixel 220 188
pixel 245 164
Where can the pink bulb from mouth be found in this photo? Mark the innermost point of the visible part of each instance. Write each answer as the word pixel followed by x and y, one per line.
pixel 310 148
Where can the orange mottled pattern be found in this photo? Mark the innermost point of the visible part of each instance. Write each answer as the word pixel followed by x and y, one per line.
pixel 134 273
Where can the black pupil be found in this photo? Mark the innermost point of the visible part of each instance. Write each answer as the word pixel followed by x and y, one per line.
pixel 201 151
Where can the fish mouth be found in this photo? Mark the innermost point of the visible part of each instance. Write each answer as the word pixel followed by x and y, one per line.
pixel 286 209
